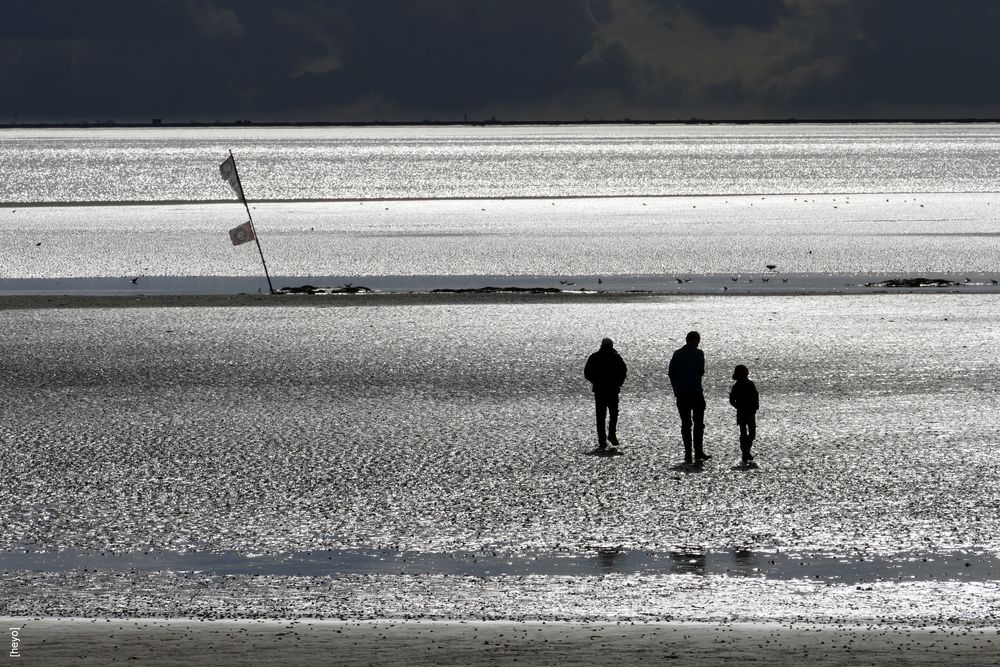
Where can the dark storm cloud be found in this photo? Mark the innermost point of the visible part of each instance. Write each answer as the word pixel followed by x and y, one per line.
pixel 450 56
pixel 96 19
pixel 202 58
pixel 760 15
pixel 108 59
pixel 113 19
pixel 756 14
pixel 413 59
pixel 921 55
pixel 609 67
pixel 778 58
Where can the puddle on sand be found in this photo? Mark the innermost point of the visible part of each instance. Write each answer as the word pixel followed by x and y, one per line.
pixel 838 568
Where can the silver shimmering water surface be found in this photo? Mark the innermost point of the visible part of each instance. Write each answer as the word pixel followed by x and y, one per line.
pixel 366 203
pixel 157 164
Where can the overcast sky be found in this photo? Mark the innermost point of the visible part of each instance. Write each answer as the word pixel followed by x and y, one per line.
pixel 357 60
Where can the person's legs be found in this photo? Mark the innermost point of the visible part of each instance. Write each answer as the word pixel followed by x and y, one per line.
pixel 744 440
pixel 684 409
pixel 612 402
pixel 698 414
pixel 696 405
pixel 601 409
pixel 751 433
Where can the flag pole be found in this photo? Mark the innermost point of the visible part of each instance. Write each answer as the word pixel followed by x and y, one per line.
pixel 243 196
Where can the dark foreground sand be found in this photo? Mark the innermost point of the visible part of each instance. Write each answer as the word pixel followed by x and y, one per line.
pixel 170 642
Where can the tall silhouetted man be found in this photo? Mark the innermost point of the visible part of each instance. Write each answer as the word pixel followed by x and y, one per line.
pixel 606 371
pixel 686 369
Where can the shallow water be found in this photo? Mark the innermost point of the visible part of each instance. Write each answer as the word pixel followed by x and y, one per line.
pixel 158 164
pixel 843 568
pixel 573 205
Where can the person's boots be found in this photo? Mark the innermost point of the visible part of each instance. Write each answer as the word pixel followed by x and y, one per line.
pixel 699 453
pixel 698 433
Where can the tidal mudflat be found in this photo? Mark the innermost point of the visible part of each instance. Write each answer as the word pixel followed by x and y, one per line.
pixel 138 440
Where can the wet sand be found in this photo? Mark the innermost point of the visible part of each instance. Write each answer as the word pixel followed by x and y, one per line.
pixel 170 642
pixel 462 424
pixel 459 423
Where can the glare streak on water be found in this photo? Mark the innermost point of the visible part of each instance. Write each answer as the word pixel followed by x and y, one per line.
pixel 612 201
pixel 117 165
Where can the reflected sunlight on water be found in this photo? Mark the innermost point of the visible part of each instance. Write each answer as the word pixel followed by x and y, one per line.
pixel 117 165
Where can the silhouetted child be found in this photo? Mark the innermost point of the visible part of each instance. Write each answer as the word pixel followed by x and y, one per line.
pixel 744 397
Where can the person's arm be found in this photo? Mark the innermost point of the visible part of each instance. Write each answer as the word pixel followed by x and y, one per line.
pixel 755 395
pixel 732 396
pixel 588 369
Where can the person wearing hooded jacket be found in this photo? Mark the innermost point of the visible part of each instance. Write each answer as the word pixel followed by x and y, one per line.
pixel 606 371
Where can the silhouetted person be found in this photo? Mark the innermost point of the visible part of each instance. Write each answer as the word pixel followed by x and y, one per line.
pixel 686 369
pixel 606 372
pixel 744 397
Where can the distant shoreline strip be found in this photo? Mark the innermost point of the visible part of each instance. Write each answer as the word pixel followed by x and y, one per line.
pixel 495 122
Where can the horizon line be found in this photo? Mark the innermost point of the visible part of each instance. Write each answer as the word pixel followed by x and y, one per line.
pixel 157 122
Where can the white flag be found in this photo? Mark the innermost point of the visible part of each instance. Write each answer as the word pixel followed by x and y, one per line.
pixel 228 171
pixel 242 234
